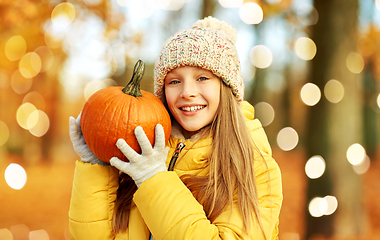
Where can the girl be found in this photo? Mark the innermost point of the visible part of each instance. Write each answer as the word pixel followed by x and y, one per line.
pixel 215 179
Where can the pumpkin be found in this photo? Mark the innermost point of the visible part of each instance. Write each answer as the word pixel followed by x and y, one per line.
pixel 114 112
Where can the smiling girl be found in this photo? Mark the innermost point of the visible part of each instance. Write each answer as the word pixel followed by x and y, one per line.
pixel 192 96
pixel 215 179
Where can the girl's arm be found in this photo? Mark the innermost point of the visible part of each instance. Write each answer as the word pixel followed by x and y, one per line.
pixel 93 193
pixel 92 201
pixel 171 212
pixel 269 188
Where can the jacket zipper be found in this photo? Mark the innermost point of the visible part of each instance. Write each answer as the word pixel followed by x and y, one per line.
pixel 176 153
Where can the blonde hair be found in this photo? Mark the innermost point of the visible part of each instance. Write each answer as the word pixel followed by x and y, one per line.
pixel 231 165
pixel 123 203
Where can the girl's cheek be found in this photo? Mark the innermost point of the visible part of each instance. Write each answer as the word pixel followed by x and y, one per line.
pixel 170 103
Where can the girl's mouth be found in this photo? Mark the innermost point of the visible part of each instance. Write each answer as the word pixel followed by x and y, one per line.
pixel 192 108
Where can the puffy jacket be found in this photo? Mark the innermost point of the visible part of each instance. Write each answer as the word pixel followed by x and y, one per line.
pixel 165 206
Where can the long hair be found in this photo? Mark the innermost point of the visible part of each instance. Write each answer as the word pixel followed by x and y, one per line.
pixel 123 203
pixel 231 164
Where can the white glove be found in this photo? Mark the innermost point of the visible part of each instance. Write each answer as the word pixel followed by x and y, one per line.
pixel 80 145
pixel 151 161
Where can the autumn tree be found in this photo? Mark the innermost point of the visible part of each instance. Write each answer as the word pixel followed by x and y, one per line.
pixel 333 127
pixel 25 29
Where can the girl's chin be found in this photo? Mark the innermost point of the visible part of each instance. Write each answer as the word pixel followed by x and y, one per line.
pixel 188 133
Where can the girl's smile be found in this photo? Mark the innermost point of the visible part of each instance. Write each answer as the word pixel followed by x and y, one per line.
pixel 192 95
pixel 191 110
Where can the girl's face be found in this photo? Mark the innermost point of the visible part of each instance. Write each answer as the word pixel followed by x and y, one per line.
pixel 192 95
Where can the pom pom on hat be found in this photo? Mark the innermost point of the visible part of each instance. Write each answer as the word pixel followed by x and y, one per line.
pixel 209 44
pixel 210 22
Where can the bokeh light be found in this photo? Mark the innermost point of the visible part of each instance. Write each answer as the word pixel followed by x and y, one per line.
pixel 93 87
pixel 310 94
pixel 332 204
pixel 96 85
pixel 356 154
pixel 140 9
pixel 15 48
pixel 39 235
pixel 334 91
pixel 231 3
pixel 15 176
pixel 47 57
pixel 19 83
pixel 318 206
pixel 175 5
pixel 323 206
pixel 53 37
pixel 20 231
pixel 30 65
pixel 38 123
pixel 251 13
pixel 261 56
pixel 168 5
pixel 362 167
pixel 355 62
pixel 305 48
pixel 315 167
pixel 23 113
pixel 249 73
pixel 265 113
pixel 63 14
pixel 36 99
pixel 378 100
pixel 93 2
pixel 77 34
pixel 307 14
pixel 123 3
pixel 4 79
pixel 99 50
pixel 287 138
pixel 4 133
pixel 5 234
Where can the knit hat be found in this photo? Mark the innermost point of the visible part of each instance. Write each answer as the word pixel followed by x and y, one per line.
pixel 209 44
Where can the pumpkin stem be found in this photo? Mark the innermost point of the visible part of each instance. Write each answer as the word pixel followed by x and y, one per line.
pixel 133 87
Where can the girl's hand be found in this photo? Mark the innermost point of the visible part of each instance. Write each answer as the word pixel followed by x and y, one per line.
pixel 151 161
pixel 80 145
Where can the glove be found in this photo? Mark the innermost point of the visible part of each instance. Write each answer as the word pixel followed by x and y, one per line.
pixel 151 161
pixel 80 145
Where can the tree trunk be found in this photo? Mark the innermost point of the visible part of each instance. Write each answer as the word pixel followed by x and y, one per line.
pixel 334 127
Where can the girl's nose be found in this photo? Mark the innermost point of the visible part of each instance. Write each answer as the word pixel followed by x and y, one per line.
pixel 189 90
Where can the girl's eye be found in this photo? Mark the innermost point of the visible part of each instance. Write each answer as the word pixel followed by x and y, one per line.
pixel 202 78
pixel 173 82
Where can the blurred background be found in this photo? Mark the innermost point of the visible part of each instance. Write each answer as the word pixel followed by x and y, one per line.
pixel 311 69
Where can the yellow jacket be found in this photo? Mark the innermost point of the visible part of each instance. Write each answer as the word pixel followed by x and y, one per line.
pixel 166 205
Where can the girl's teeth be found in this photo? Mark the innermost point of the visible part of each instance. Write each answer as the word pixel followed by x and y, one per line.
pixel 192 109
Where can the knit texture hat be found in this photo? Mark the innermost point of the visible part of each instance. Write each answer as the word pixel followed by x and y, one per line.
pixel 209 44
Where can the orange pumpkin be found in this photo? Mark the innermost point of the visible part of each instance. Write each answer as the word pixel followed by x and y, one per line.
pixel 114 112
